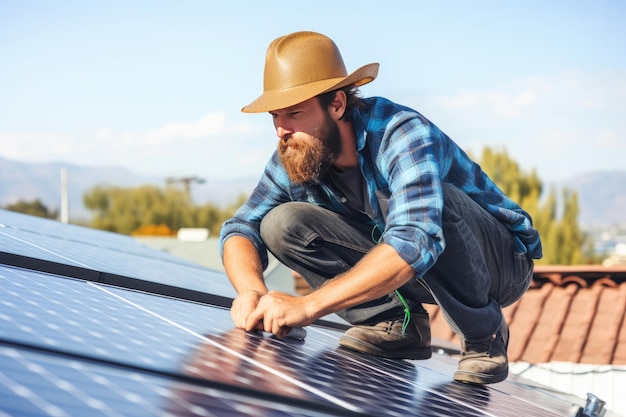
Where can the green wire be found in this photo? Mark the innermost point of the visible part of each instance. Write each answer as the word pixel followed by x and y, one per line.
pixel 407 312
pixel 374 233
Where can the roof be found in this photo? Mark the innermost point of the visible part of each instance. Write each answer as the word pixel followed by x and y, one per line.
pixel 570 314
pixel 93 323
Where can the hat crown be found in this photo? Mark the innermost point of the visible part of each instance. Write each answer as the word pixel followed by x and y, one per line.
pixel 301 58
pixel 302 65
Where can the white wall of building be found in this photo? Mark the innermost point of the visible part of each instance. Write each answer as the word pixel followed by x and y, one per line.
pixel 607 382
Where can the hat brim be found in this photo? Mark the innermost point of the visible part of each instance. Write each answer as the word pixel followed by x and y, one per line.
pixel 280 99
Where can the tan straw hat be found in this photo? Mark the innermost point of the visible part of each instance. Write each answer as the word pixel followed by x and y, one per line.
pixel 302 65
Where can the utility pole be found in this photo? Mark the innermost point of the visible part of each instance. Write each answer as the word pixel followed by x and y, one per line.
pixel 186 181
pixel 64 215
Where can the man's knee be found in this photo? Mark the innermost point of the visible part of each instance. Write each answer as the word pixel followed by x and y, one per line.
pixel 275 223
pixel 284 222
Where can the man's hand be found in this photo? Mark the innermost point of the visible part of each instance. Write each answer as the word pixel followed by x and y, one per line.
pixel 242 306
pixel 277 313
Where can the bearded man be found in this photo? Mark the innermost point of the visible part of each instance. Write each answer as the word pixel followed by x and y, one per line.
pixel 380 212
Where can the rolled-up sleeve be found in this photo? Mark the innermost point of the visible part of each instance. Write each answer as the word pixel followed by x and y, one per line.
pixel 409 160
pixel 270 191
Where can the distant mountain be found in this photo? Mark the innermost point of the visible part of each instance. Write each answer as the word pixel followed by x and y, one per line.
pixel 29 181
pixel 601 195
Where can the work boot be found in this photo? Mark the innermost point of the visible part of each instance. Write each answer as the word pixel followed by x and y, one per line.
pixel 385 339
pixel 484 362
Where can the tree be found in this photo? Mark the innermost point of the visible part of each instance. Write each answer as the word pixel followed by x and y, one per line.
pixel 34 208
pixel 561 236
pixel 150 208
pixel 124 210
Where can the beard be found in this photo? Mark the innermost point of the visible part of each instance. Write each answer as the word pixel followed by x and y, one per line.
pixel 307 158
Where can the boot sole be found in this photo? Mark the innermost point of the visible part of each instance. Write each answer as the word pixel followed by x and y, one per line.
pixel 476 378
pixel 364 347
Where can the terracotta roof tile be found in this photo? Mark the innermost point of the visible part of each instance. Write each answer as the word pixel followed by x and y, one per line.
pixel 577 326
pixel 523 323
pixel 619 353
pixel 570 313
pixel 605 327
pixel 543 340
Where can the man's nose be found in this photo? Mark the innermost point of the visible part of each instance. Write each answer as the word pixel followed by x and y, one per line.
pixel 282 132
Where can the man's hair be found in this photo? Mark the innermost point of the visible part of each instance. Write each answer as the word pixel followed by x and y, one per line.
pixel 353 100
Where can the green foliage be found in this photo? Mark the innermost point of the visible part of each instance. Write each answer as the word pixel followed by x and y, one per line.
pixel 563 241
pixel 34 208
pixel 126 210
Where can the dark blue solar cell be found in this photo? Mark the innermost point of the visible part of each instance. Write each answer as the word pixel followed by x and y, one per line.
pixel 83 318
pixel 33 384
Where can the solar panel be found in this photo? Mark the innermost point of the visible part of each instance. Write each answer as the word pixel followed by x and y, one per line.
pixel 89 345
pixel 104 257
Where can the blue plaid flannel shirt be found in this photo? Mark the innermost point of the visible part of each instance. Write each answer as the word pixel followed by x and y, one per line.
pixel 404 158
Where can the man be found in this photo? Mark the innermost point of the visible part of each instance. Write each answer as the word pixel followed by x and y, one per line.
pixel 380 212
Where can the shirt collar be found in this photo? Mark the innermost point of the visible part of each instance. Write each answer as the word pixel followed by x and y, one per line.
pixel 358 125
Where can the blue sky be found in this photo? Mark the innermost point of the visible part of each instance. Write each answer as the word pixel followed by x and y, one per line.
pixel 157 86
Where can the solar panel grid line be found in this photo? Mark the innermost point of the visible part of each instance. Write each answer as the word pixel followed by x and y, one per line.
pixel 186 294
pixel 86 252
pixel 270 370
pixel 35 399
pixel 74 312
pixel 44 249
pixel 74 390
pixel 110 258
pixel 173 395
pixel 120 281
pixel 544 399
pixel 94 349
pixel 422 387
pixel 45 231
pixel 250 392
pixel 115 363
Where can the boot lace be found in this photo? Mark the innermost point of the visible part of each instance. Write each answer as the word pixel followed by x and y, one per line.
pixel 479 349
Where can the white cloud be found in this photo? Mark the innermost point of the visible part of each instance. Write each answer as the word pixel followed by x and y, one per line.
pixel 501 104
pixel 213 145
pixel 561 125
pixel 611 141
pixel 30 146
pixel 210 125
pixel 555 96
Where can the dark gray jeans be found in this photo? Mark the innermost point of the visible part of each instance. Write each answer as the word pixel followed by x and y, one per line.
pixel 478 273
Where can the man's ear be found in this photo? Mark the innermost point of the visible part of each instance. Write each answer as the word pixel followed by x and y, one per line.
pixel 337 107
